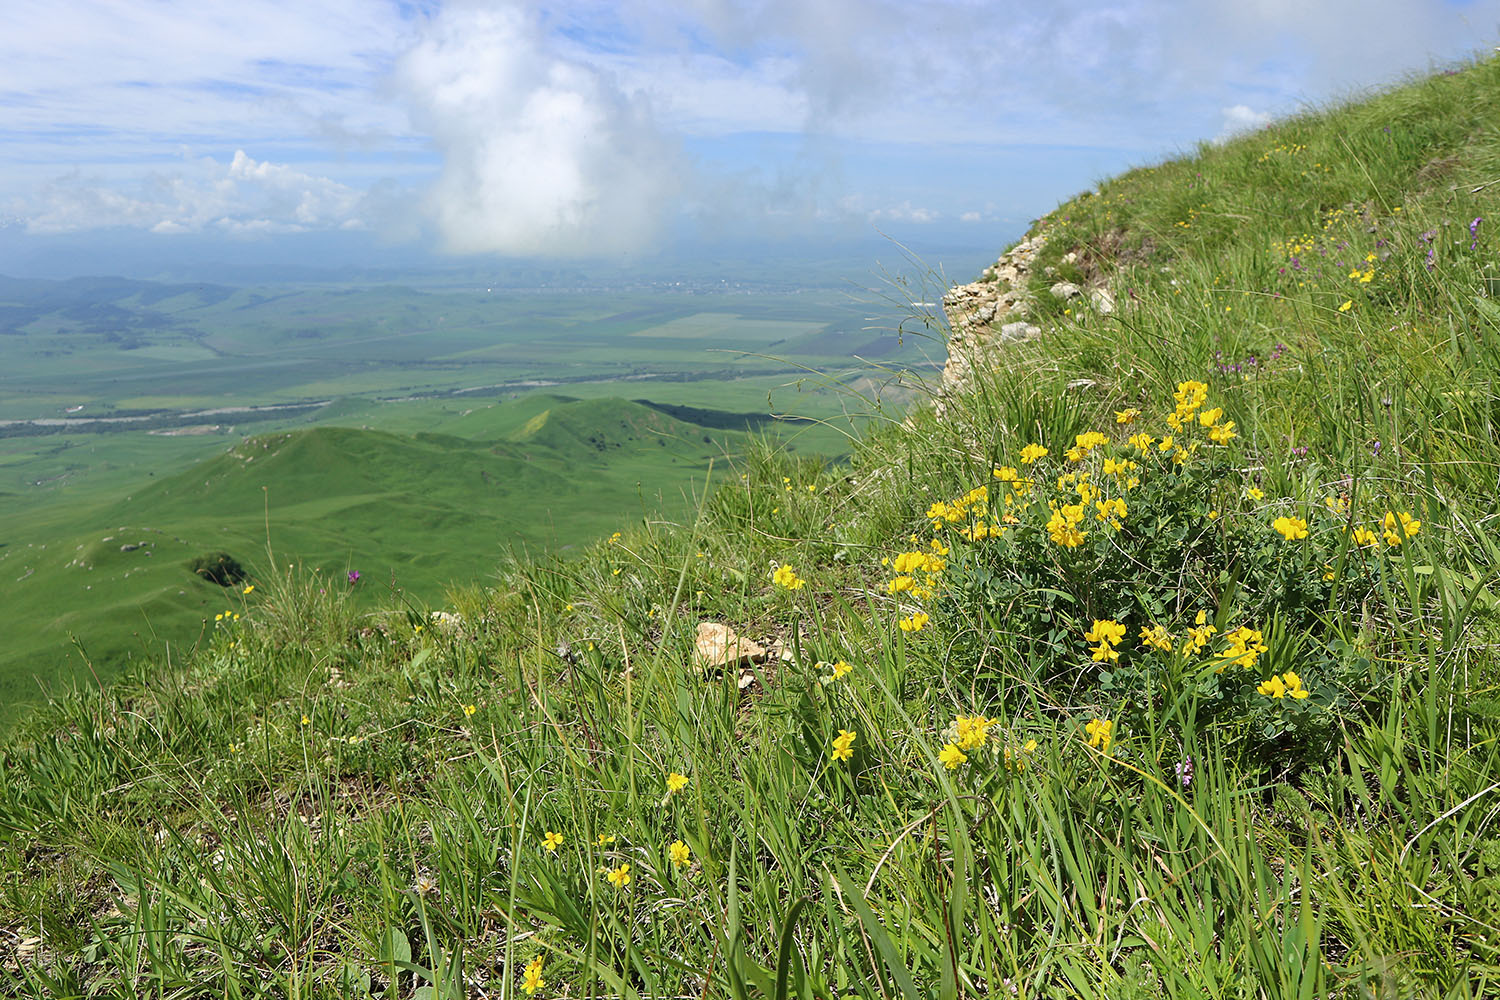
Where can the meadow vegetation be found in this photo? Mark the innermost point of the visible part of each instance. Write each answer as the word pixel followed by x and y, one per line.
pixel 1162 664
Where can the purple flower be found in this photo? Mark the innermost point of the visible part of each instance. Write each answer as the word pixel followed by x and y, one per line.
pixel 354 576
pixel 1376 450
pixel 1184 771
pixel 1474 231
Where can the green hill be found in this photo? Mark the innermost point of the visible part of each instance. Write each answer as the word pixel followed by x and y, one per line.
pixel 417 512
pixel 1160 662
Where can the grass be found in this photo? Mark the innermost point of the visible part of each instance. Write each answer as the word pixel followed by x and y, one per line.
pixel 330 801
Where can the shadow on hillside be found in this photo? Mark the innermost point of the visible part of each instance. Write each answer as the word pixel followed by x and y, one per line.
pixel 723 420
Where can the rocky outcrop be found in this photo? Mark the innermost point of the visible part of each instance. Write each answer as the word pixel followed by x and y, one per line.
pixel 993 311
pixel 988 313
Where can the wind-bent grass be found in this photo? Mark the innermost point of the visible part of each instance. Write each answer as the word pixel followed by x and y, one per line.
pixel 328 804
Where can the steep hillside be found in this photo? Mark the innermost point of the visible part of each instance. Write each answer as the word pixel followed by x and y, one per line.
pixel 1160 663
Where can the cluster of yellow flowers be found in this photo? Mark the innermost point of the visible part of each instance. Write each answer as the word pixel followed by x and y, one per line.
pixel 1100 733
pixel 908 564
pixel 843 745
pixel 969 733
pixel 1107 634
pixel 973 503
pixel 533 980
pixel 1190 398
pixel 1245 646
pixel 1286 685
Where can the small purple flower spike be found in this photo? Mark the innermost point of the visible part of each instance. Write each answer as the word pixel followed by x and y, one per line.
pixel 354 576
pixel 1185 772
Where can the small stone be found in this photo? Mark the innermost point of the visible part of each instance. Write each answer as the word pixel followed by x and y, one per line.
pixel 1065 290
pixel 1019 331
pixel 717 646
pixel 1103 301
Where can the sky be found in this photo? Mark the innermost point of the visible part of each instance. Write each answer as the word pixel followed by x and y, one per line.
pixel 439 131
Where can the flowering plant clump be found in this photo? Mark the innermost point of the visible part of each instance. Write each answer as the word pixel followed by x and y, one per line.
pixel 1146 558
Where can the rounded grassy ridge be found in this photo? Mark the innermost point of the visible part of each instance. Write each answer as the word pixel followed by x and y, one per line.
pixel 1162 664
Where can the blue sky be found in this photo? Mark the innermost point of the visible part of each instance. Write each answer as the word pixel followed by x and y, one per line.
pixel 585 129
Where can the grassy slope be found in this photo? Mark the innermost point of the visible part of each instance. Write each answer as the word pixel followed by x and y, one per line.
pixel 318 796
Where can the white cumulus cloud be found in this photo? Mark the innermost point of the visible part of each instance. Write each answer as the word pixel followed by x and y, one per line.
pixel 1240 119
pixel 542 153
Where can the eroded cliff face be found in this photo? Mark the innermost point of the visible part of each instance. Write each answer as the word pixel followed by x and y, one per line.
pixel 994 311
pixel 988 313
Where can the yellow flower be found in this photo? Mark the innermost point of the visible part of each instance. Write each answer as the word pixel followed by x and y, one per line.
pixel 1089 440
pixel 1348 304
pixel 1100 733
pixel 1106 631
pixel 306 721
pixel 1031 453
pixel 841 668
pixel 1210 417
pixel 1223 434
pixel 1142 441
pixel 843 745
pixel 1280 687
pixel 1272 688
pixel 1399 527
pixel 786 576
pixel 1156 637
pixel 680 853
pixel 552 841
pixel 915 623
pixel 1245 646
pixel 1255 493
pixel 619 877
pixel 1016 759
pixel 1291 528
pixel 972 730
pixel 952 756
pixel 248 589
pixel 1167 444
pixel 533 977
pixel 1364 537
pixel 604 839
pixel 676 782
pixel 1006 474
pixel 469 710
pixel 1126 416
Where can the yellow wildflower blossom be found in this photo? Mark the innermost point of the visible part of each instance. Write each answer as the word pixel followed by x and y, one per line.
pixel 1156 637
pixel 1031 453
pixel 552 841
pixel 676 782
pixel 1100 733
pixel 952 756
pixel 1291 528
pixel 1399 527
pixel 533 980
pixel 619 877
